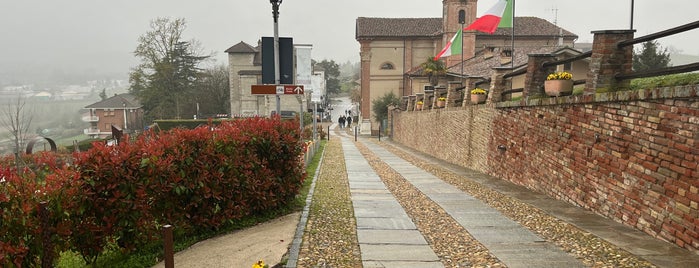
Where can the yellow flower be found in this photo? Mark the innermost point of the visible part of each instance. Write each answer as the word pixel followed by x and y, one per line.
pixel 419 102
pixel 478 91
pixel 560 76
pixel 260 264
pixel 442 99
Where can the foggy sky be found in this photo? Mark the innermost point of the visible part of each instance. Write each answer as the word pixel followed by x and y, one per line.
pixel 99 36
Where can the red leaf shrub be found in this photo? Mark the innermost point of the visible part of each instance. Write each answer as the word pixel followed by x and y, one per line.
pixel 192 179
pixel 49 180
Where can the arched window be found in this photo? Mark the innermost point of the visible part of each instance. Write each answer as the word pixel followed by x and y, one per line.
pixel 387 66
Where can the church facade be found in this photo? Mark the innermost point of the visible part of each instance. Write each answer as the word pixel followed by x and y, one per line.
pixel 392 50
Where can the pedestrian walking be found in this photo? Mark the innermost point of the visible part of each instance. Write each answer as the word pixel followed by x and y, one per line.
pixel 341 121
pixel 349 121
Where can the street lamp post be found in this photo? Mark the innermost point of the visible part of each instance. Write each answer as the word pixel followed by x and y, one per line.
pixel 275 15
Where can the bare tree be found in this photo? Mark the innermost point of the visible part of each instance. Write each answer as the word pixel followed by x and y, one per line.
pixel 17 118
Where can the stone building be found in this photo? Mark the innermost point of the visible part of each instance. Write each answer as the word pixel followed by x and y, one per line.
pixel 391 49
pixel 245 70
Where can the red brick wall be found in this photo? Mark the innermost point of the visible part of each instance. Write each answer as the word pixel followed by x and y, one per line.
pixel 630 156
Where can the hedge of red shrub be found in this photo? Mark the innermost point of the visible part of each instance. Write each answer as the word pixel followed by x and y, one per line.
pixel 196 180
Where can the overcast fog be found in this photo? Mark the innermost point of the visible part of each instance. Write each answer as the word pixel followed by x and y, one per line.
pixel 98 36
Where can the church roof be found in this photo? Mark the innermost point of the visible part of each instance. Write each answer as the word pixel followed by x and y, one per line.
pixel 398 27
pixel 530 26
pixel 432 27
pixel 481 64
pixel 241 47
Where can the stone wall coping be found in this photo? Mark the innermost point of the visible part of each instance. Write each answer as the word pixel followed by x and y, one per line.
pixel 613 31
pixel 685 91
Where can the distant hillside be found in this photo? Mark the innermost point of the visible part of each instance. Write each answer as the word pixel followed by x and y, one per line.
pixel 682 59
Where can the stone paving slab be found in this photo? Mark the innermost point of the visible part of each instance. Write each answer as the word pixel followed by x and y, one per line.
pixel 497 235
pixel 369 191
pixel 385 224
pixel 401 264
pixel 397 252
pixel 412 237
pixel 375 185
pixel 369 196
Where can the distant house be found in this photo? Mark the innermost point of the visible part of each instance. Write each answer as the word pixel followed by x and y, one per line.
pixel 122 111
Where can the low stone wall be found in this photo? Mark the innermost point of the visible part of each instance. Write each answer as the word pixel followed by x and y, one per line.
pixel 631 156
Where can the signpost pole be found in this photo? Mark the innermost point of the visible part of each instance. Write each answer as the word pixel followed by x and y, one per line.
pixel 315 129
pixel 275 13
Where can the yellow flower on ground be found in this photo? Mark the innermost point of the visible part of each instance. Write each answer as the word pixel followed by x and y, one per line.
pixel 260 264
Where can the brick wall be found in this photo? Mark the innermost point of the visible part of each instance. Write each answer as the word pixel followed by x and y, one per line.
pixel 630 156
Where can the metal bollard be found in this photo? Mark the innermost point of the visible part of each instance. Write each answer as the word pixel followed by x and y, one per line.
pixel 169 248
pixel 47 257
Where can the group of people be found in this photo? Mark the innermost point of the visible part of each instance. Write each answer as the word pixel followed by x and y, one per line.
pixel 345 120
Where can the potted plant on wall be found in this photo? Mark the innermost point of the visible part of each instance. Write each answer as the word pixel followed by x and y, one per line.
pixel 441 101
pixel 559 84
pixel 478 95
pixel 418 105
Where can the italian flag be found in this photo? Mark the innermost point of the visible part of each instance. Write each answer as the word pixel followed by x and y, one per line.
pixel 453 47
pixel 493 18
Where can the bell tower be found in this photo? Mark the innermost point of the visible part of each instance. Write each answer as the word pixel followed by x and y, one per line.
pixel 451 24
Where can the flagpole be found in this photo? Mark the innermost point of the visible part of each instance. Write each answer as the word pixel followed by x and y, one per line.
pixel 512 61
pixel 462 20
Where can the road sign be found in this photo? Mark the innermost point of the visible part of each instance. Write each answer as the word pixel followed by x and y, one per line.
pixel 277 89
pixel 293 89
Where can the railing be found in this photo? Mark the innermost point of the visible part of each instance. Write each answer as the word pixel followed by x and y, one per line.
pixel 92 118
pixel 661 71
pixel 617 74
pixel 610 69
pixel 91 131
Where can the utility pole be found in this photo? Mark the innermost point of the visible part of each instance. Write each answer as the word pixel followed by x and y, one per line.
pixel 631 28
pixel 275 15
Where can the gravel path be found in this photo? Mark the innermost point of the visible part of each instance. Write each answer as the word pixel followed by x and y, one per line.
pixel 330 237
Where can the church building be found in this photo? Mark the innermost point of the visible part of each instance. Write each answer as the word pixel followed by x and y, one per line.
pixel 392 50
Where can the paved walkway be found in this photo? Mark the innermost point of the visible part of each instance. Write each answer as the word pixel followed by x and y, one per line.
pixel 388 238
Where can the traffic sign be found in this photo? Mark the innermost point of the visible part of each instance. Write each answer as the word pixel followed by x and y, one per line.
pixel 277 89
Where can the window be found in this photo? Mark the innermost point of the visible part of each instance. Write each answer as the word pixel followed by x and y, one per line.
pixel 387 66
pixel 568 66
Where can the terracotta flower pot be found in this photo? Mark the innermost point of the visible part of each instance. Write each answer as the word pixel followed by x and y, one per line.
pixel 418 106
pixel 441 103
pixel 555 88
pixel 478 98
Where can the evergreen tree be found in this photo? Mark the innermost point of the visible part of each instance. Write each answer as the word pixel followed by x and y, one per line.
pixel 165 80
pixel 332 74
pixel 380 106
pixel 650 56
